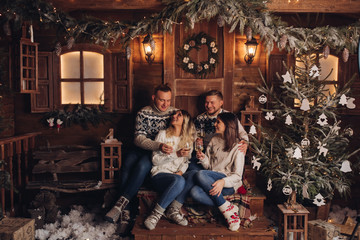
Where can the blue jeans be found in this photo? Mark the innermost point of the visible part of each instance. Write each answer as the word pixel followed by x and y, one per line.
pixel 204 180
pixel 134 170
pixel 189 184
pixel 169 185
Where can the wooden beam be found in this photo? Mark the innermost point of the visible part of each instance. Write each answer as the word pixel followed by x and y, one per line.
pixel 325 6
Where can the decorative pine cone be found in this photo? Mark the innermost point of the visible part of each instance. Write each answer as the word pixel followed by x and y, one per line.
pixel 220 21
pixel 58 49
pixel 283 41
pixel 70 42
pixel 128 52
pixel 326 51
pixel 345 55
pixel 248 33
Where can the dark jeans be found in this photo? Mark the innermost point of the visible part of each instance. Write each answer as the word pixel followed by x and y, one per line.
pixel 194 163
pixel 134 170
pixel 204 180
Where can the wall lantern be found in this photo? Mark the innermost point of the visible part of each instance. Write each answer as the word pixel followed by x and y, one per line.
pixel 250 50
pixel 149 48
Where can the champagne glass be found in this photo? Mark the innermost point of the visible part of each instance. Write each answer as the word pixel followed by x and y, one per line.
pixel 199 144
pixel 170 142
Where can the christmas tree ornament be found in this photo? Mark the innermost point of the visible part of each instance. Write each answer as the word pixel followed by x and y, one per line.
pixel 70 43
pixel 336 129
pixel 322 149
pixel 349 132
pixel 305 143
pixel 350 103
pixel 248 33
pixel 58 49
pixel 252 130
pixel 255 162
pixel 297 153
pixel 319 200
pixel 288 120
pixel 305 191
pixel 345 55
pixel 326 51
pixel 314 71
pixel 269 116
pixel 287 190
pixel 283 41
pixel 192 22
pixel 220 21
pixel 345 166
pixel 287 77
pixel 322 120
pixel 31 32
pixel 262 99
pixel 305 105
pixel 343 100
pixel 128 52
pixel 51 122
pixel 58 124
pixel 269 185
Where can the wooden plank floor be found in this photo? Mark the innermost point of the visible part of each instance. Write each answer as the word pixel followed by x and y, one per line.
pixel 201 231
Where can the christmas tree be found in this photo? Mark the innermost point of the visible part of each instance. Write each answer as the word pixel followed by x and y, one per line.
pixel 304 149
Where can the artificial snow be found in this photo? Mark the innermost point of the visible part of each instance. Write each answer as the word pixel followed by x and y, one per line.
pixel 77 225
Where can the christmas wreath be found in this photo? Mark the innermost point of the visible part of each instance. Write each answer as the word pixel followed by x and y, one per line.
pixel 203 68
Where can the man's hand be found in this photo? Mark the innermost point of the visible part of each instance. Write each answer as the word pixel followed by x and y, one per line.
pixel 243 146
pixel 217 187
pixel 184 152
pixel 166 148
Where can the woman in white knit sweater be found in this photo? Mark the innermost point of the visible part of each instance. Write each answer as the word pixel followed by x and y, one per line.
pixel 168 169
pixel 224 165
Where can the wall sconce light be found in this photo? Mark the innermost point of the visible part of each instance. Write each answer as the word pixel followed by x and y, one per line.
pixel 149 48
pixel 250 50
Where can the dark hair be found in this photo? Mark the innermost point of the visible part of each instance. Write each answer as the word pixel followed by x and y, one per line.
pixel 214 93
pixel 162 87
pixel 231 134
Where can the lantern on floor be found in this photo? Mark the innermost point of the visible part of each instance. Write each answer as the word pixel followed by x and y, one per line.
pixel 149 48
pixel 110 159
pixel 294 221
pixel 250 50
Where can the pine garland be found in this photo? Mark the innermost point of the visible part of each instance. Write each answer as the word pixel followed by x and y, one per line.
pixel 237 14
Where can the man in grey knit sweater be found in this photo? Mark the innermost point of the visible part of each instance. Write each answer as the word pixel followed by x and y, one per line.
pixel 137 164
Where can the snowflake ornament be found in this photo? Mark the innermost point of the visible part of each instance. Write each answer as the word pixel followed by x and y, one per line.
pixel 256 163
pixel 322 120
pixel 269 185
pixel 269 116
pixel 262 99
pixel 287 77
pixel 305 105
pixel 252 130
pixel 350 103
pixel 288 120
pixel 345 166
pixel 297 153
pixel 343 100
pixel 319 200
pixel 287 190
pixel 314 71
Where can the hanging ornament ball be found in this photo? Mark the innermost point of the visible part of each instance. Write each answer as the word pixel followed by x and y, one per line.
pixel 305 143
pixel 58 49
pixel 326 51
pixel 220 21
pixel 345 55
pixel 248 33
pixel 262 99
pixel 283 41
pixel 349 132
pixel 70 42
pixel 287 190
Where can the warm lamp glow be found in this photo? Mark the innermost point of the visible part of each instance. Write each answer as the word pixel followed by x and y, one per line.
pixel 149 48
pixel 250 50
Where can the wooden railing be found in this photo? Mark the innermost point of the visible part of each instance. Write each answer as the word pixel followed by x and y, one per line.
pixel 15 153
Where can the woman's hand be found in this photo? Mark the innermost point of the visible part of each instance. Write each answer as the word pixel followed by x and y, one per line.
pixel 217 187
pixel 184 152
pixel 200 155
pixel 180 173
pixel 166 148
pixel 243 146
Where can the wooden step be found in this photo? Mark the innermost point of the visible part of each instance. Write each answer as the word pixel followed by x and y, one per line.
pixel 166 230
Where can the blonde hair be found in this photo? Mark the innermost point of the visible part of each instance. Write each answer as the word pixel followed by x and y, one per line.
pixel 187 134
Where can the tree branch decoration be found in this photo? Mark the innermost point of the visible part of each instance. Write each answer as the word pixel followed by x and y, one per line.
pixel 78 114
pixel 237 14
pixel 203 68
